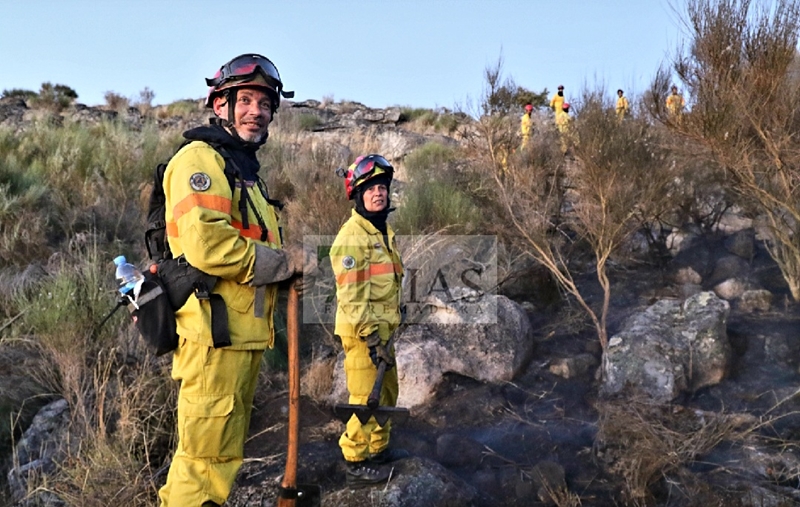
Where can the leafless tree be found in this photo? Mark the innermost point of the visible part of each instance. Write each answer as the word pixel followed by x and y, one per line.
pixel 740 72
pixel 616 181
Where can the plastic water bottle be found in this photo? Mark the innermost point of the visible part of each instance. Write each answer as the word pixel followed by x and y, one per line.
pixel 129 277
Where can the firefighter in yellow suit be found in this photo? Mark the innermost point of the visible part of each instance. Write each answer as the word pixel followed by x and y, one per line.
pixel 369 274
pixel 557 101
pixel 623 107
pixel 526 125
pixel 564 125
pixel 220 220
pixel 675 103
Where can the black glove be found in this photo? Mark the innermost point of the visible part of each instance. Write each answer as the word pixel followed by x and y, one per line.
pixel 378 351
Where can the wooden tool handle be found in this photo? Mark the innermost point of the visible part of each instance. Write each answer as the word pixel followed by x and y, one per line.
pixel 289 482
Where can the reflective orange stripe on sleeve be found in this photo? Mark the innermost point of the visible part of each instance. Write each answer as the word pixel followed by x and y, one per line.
pixel 362 275
pixel 254 232
pixel 208 201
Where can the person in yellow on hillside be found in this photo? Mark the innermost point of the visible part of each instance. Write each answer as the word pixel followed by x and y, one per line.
pixel 369 273
pixel 558 100
pixel 526 125
pixel 623 107
pixel 675 102
pixel 564 125
pixel 220 220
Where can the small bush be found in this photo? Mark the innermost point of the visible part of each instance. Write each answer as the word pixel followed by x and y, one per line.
pixel 115 101
pixel 408 114
pixel 435 206
pixel 180 108
pixel 437 195
pixel 145 100
pixel 26 95
pixel 55 97
pixel 448 123
pixel 430 160
pixel 308 122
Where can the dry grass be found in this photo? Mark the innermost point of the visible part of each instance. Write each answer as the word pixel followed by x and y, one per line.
pixel 317 380
pixel 645 443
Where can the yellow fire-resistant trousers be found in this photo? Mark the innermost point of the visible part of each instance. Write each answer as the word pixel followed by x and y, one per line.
pixel 214 405
pixel 359 441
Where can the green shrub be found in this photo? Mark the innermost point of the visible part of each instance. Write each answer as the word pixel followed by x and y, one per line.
pixel 430 160
pixel 409 114
pixel 436 196
pixel 447 123
pixel 55 97
pixel 181 108
pixel 435 206
pixel 308 122
pixel 58 182
pixel 19 93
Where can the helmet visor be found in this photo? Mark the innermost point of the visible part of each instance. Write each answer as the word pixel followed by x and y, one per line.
pixel 368 163
pixel 245 66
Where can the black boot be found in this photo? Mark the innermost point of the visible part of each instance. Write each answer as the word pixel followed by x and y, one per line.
pixel 388 455
pixel 363 473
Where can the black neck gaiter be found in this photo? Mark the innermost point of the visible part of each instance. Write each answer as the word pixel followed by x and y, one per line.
pixel 376 218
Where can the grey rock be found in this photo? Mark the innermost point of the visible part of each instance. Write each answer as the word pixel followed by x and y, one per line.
pixel 42 446
pixel 755 300
pixel 670 348
pixel 742 244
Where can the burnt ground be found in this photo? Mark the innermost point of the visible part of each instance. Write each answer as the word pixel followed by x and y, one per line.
pixel 493 435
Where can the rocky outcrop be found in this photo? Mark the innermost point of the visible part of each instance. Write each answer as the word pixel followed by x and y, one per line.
pixel 449 340
pixel 670 348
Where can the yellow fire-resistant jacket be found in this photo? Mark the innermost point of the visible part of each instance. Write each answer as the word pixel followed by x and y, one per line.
pixel 525 125
pixel 622 106
pixel 368 280
pixel 675 103
pixel 205 226
pixel 563 120
pixel 556 102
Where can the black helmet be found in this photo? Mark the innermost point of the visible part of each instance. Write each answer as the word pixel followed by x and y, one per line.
pixel 248 70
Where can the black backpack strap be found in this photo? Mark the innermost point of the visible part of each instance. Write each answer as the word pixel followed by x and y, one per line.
pixel 233 172
pixel 155 237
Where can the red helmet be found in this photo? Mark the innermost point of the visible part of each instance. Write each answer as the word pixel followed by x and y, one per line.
pixel 363 169
pixel 565 106
pixel 248 70
pixel 529 107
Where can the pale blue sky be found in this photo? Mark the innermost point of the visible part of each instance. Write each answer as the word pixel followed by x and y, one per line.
pixel 419 53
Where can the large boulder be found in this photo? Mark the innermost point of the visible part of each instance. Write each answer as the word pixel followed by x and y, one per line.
pixel 670 348
pixel 449 340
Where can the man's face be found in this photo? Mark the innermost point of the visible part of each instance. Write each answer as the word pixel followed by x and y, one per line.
pixel 376 197
pixel 674 91
pixel 619 94
pixel 252 113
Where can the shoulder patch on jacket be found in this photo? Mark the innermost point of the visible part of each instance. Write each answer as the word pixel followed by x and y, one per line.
pixel 200 182
pixel 348 262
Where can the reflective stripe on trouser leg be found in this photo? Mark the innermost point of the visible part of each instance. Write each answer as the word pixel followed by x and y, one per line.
pixel 214 405
pixel 359 441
